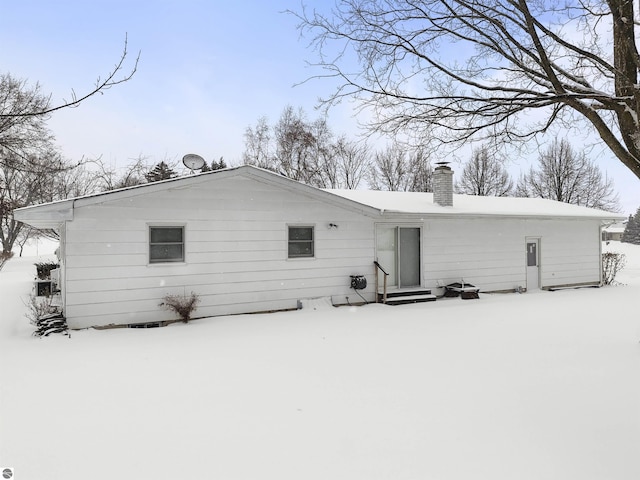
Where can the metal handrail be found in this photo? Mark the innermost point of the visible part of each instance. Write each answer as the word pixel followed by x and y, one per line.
pixel 384 291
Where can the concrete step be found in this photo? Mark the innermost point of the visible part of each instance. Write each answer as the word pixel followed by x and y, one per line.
pixel 404 293
pixel 410 299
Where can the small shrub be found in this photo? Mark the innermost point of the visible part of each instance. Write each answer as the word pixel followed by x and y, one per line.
pixel 612 263
pixel 38 307
pixel 45 317
pixel 184 306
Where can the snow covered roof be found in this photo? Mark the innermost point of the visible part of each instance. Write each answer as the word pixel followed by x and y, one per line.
pixel 52 214
pixel 368 202
pixel 617 227
pixel 471 205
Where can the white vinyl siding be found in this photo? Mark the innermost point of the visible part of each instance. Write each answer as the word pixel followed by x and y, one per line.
pixel 236 250
pixel 491 253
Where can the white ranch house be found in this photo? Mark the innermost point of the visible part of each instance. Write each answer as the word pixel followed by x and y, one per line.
pixel 248 240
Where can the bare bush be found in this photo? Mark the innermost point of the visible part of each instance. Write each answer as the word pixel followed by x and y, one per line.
pixel 182 305
pixel 612 263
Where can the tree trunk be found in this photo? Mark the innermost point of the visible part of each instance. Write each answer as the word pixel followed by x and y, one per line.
pixel 626 76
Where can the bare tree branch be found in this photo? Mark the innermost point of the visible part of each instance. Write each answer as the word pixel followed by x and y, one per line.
pixel 110 80
pixel 464 70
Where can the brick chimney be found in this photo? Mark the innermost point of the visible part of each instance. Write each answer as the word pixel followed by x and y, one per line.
pixel 443 185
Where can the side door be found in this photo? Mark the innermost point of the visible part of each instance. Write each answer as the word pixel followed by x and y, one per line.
pixel 398 251
pixel 533 263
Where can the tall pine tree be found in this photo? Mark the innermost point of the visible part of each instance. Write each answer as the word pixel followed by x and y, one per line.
pixel 161 171
pixel 631 232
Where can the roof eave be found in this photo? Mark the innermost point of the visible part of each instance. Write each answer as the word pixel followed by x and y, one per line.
pixel 45 216
pixel 603 218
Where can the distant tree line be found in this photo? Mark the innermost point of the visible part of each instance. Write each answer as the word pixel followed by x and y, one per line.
pixel 309 151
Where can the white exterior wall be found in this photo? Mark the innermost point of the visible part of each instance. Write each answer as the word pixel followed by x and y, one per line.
pixel 235 253
pixel 490 252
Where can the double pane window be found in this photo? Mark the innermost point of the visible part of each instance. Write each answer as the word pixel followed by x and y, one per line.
pixel 301 242
pixel 166 244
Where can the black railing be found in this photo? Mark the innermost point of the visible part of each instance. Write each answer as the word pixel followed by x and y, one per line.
pixel 384 287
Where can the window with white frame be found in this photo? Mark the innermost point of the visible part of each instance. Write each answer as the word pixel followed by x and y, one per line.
pixel 166 244
pixel 301 241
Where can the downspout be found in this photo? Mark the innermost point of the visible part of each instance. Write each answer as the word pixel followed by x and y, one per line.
pixel 600 253
pixel 63 256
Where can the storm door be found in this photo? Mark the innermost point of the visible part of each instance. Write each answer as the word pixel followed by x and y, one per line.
pixel 533 264
pixel 398 252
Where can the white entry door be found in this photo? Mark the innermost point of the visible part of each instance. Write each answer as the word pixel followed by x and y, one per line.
pixel 398 252
pixel 533 264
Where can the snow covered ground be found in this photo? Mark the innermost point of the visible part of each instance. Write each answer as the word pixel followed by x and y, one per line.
pixel 536 386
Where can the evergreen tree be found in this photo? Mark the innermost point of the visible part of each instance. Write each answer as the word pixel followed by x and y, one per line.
pixel 219 165
pixel 632 230
pixel 161 171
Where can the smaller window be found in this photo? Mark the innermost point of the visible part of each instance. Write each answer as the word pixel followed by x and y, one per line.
pixel 532 254
pixel 166 244
pixel 301 242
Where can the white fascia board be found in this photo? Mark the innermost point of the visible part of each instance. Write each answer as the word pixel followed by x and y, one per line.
pixel 48 215
pixel 604 219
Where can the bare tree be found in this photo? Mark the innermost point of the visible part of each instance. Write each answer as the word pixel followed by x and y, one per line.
pixel 110 178
pixel 23 187
pixel 421 171
pixel 21 135
pixel 351 161
pixel 295 146
pixel 397 168
pixel 484 174
pixel 324 168
pixel 257 145
pixel 389 170
pixel 74 182
pixel 305 150
pixel 31 170
pixel 564 175
pixel 519 67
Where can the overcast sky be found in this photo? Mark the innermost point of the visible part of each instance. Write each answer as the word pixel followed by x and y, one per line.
pixel 208 69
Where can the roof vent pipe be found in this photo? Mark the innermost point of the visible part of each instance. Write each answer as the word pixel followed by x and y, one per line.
pixel 443 185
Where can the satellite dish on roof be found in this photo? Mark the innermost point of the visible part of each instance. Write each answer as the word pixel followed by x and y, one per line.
pixel 193 161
